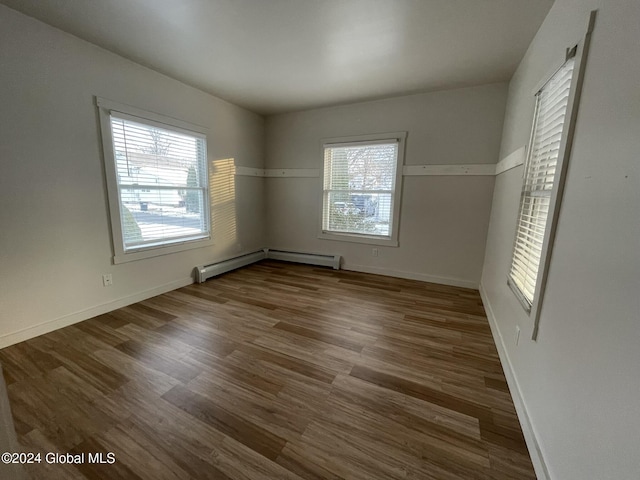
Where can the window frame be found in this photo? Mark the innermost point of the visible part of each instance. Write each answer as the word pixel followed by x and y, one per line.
pixel 120 254
pixel 579 52
pixel 364 140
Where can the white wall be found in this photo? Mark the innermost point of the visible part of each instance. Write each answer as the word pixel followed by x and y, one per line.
pixel 54 231
pixel 444 219
pixel 579 381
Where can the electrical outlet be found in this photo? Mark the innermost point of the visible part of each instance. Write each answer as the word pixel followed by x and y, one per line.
pixel 374 252
pixel 517 334
pixel 238 247
pixel 107 280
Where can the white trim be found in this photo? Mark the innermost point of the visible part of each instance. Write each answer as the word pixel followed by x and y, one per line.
pixel 179 245
pixel 358 238
pixel 370 139
pixel 292 172
pixel 357 143
pixel 556 65
pixel 120 254
pixel 564 154
pixel 579 57
pixel 249 171
pixel 513 160
pixel 479 169
pixel 278 172
pixel 396 197
pixel 455 282
pixel 66 320
pixel 528 431
pixel 141 114
pixel 169 123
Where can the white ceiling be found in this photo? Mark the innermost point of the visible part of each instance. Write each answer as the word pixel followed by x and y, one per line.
pixel 274 56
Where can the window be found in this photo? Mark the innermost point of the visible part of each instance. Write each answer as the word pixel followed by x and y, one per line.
pixel 361 192
pixel 157 182
pixel 545 168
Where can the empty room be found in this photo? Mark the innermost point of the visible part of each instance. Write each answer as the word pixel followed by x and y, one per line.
pixel 320 239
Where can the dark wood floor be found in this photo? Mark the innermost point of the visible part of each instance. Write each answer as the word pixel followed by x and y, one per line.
pixel 274 371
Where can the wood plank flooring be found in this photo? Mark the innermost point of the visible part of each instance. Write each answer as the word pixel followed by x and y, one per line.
pixel 277 371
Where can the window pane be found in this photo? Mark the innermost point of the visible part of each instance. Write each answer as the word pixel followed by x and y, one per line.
pixel 148 155
pixel 539 180
pixel 358 213
pixel 150 216
pixel 359 184
pixel 368 167
pixel 162 184
pixel 529 239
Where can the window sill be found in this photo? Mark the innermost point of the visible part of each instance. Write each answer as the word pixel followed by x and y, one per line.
pixel 356 238
pixel 518 294
pixel 160 250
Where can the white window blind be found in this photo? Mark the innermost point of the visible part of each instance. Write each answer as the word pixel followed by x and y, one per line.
pixel 162 182
pixel 359 188
pixel 538 183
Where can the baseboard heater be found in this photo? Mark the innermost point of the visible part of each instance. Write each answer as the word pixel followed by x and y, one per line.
pixel 204 272
pixel 320 259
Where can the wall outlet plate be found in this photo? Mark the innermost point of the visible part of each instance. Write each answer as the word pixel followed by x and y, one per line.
pixel 107 280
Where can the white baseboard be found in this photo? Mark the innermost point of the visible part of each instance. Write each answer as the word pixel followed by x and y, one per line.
pixel 537 459
pixel 66 320
pixel 455 282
